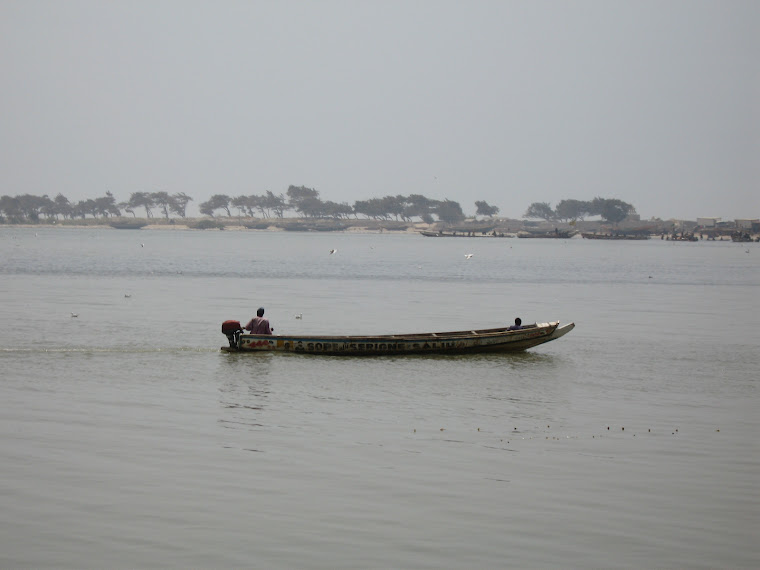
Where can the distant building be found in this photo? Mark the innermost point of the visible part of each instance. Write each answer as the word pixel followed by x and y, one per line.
pixel 686 225
pixel 708 222
pixel 747 224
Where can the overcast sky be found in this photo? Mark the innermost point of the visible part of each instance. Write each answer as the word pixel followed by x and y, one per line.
pixel 655 103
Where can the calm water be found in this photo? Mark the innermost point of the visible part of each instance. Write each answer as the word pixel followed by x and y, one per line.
pixel 129 440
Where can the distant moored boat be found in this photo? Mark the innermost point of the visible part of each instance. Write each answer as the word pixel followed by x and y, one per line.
pixel 128 225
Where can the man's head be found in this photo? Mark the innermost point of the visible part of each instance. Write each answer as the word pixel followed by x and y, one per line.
pixel 518 321
pixel 260 312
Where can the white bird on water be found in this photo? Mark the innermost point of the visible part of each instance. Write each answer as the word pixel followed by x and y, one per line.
pixel 73 315
pixel 299 316
pixel 468 255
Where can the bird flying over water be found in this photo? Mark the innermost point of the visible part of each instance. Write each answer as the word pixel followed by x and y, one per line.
pixel 468 255
pixel 333 251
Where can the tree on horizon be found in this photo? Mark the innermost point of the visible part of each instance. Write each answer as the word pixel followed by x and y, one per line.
pixel 449 211
pixel 304 200
pixel 144 200
pixel 572 210
pixel 216 202
pixel 162 200
pixel 542 210
pixel 178 204
pixel 483 209
pixel 611 210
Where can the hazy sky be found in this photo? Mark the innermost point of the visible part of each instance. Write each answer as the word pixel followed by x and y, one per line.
pixel 656 103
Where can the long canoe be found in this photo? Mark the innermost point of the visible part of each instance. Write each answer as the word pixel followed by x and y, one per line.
pixel 615 236
pixel 471 233
pixel 455 342
pixel 547 235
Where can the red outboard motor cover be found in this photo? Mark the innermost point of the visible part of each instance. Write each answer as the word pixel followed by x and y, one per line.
pixel 229 327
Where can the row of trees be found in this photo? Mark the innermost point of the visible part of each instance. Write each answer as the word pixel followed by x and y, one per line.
pixel 609 209
pixel 305 202
pixel 32 208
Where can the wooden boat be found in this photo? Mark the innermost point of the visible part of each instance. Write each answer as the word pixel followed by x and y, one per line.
pixel 478 233
pixel 456 342
pixel 547 235
pixel 128 225
pixel 741 237
pixel 615 236
pixel 682 237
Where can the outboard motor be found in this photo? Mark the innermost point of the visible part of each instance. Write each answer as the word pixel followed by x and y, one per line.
pixel 232 330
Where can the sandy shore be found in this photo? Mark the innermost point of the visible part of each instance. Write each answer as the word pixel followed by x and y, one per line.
pixel 227 228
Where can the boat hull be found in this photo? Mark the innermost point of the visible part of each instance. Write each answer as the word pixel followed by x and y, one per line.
pixel 615 237
pixel 459 342
pixel 547 235
pixel 128 225
pixel 485 233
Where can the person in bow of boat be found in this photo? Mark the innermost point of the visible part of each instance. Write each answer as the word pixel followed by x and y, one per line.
pixel 517 326
pixel 258 324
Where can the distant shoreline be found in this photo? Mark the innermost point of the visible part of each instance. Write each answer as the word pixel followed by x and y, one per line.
pixel 259 224
pixel 224 227
pixel 475 228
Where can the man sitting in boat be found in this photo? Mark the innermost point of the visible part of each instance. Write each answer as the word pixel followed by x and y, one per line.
pixel 258 324
pixel 517 326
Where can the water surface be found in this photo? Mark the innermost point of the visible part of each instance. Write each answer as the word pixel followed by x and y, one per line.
pixel 130 440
